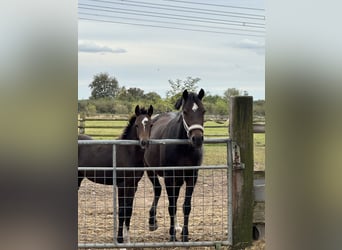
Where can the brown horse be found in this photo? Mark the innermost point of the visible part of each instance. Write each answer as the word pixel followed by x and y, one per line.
pixel 187 124
pixel 101 155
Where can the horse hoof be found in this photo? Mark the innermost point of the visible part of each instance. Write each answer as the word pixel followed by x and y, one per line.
pixel 153 227
pixel 173 239
pixel 185 238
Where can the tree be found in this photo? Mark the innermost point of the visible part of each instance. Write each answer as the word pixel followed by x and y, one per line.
pixel 215 105
pixel 152 97
pixel 232 92
pixel 135 93
pixel 178 86
pixel 259 108
pixel 104 86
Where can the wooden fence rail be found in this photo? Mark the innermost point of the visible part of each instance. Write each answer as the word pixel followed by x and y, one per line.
pixel 257 128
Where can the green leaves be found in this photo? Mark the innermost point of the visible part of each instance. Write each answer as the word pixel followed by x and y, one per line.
pixel 104 86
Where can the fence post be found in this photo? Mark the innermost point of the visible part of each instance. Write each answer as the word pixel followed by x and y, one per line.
pixel 82 124
pixel 241 132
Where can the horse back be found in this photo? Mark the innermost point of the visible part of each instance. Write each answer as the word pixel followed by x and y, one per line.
pixel 160 124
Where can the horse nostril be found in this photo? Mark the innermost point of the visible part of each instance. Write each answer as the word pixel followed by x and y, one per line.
pixel 197 141
pixel 143 144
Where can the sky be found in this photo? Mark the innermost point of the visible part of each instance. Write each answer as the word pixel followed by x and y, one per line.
pixel 142 44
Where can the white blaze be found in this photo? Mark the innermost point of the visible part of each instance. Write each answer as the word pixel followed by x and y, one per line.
pixel 144 122
pixel 194 107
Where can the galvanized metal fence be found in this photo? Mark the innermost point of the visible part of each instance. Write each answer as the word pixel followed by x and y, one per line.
pixel 210 221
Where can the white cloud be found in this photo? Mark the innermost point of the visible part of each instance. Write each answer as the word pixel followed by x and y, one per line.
pixel 92 47
pixel 252 45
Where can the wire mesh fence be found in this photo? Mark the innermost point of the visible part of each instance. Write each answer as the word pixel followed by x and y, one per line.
pixel 208 218
pixel 208 223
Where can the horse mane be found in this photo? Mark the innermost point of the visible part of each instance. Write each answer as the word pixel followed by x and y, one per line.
pixel 130 123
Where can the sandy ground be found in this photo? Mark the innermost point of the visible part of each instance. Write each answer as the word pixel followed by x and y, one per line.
pixel 208 218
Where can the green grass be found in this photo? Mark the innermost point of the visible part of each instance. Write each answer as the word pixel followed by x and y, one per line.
pixel 102 132
pixel 221 131
pixel 259 151
pixel 214 154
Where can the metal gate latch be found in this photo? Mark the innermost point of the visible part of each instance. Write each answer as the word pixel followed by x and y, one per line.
pixel 237 164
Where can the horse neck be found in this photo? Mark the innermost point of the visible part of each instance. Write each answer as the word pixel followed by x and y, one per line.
pixel 186 152
pixel 130 132
pixel 180 130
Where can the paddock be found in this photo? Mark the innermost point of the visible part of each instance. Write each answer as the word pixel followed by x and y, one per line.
pixel 210 219
pixel 213 214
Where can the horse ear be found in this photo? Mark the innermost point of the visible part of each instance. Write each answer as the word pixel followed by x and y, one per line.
pixel 178 103
pixel 137 110
pixel 180 100
pixel 150 110
pixel 185 95
pixel 201 94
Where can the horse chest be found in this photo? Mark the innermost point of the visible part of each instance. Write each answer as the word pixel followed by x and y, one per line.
pixel 182 156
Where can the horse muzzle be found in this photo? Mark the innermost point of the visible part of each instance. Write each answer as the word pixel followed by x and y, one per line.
pixel 194 133
pixel 197 139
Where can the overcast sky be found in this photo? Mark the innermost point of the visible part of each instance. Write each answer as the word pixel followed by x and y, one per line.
pixel 142 55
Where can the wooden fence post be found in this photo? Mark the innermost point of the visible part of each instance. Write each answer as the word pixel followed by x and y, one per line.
pixel 82 124
pixel 241 132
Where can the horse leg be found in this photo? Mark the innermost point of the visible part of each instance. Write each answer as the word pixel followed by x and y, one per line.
pixel 129 198
pixel 190 185
pixel 131 186
pixel 172 189
pixel 121 198
pixel 157 188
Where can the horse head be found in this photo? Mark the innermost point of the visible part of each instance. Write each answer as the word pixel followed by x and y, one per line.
pixel 192 115
pixel 143 124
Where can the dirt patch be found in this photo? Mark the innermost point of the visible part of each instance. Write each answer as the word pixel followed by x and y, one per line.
pixel 208 218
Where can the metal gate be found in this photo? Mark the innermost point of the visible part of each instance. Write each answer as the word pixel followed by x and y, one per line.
pixel 210 220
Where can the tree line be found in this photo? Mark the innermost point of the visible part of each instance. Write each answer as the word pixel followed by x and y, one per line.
pixel 108 97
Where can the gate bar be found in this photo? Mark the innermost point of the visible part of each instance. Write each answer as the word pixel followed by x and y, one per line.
pixel 153 244
pixel 153 141
pixel 115 214
pixel 230 191
pixel 154 168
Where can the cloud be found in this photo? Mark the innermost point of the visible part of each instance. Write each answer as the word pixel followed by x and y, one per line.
pixel 252 45
pixel 91 47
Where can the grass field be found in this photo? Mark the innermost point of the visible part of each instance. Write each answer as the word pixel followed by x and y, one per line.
pixel 214 154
